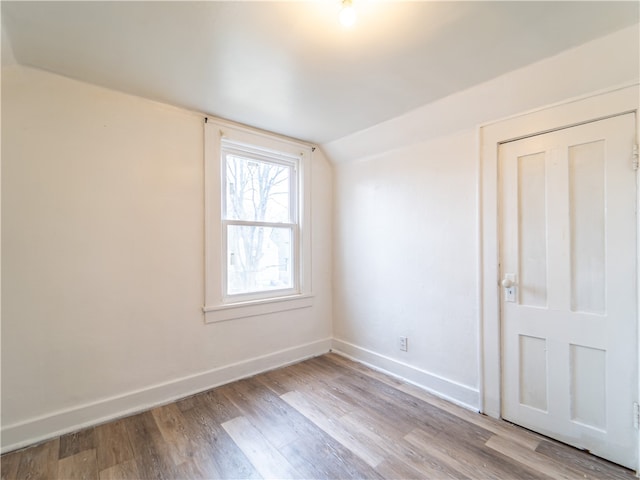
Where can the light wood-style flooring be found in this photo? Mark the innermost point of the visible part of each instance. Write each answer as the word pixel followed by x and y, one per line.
pixel 325 418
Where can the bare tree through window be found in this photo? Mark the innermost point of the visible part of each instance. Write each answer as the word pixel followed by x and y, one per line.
pixel 259 214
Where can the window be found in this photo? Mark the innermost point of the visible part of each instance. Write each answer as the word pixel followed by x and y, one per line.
pixel 257 223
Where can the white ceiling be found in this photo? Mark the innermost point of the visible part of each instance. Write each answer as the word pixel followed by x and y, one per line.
pixel 289 67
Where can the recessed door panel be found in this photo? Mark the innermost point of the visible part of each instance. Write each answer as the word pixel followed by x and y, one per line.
pixel 532 231
pixel 589 386
pixel 533 372
pixel 586 207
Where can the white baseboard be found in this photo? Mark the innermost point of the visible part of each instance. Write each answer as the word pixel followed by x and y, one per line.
pixel 454 392
pixel 42 428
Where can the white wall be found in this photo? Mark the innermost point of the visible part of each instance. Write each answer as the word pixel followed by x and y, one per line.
pixel 407 218
pixel 406 256
pixel 102 261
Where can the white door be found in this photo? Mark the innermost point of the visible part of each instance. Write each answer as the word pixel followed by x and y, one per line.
pixel 568 248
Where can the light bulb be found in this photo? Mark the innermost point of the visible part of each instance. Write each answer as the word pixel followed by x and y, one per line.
pixel 347 14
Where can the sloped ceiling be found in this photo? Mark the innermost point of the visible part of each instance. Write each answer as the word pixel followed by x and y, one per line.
pixel 290 67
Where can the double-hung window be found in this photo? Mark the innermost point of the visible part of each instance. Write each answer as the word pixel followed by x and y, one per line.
pixel 257 223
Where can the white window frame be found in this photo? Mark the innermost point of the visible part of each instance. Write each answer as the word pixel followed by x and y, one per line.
pixel 284 160
pixel 218 306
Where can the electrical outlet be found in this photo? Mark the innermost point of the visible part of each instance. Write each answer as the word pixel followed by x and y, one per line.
pixel 403 344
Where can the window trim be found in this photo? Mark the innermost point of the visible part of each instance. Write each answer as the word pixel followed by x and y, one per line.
pixel 218 306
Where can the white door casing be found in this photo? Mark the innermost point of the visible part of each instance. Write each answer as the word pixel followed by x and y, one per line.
pixel 568 251
pixel 571 112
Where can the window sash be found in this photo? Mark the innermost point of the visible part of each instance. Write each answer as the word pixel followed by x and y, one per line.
pixel 282 160
pixel 252 153
pixel 264 293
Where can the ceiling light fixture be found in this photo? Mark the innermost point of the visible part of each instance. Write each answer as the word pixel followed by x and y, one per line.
pixel 347 13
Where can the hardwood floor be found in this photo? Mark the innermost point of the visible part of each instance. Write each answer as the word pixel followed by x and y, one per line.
pixel 325 418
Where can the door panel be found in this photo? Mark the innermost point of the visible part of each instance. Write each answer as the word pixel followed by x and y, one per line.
pixel 569 321
pixel 532 264
pixel 587 227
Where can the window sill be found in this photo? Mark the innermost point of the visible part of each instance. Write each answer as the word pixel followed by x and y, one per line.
pixel 232 311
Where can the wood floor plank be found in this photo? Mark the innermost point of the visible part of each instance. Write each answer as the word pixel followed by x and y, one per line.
pixel 301 379
pixel 352 440
pixel 583 461
pixel 266 411
pixel 81 466
pixel 323 395
pixel 313 453
pixel 400 453
pixel 534 460
pixel 40 462
pixel 405 409
pixel 263 455
pixel 219 406
pixel 218 455
pixel 170 422
pixel 9 465
pixel 112 444
pixel 470 460
pixel 392 469
pixel 362 399
pixel 320 370
pixel 193 469
pixel 295 430
pixel 319 457
pixel 280 381
pixel 127 470
pixel 77 442
pixel 150 452
pixel 428 465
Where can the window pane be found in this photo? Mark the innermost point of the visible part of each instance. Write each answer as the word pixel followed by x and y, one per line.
pixel 258 259
pixel 257 190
